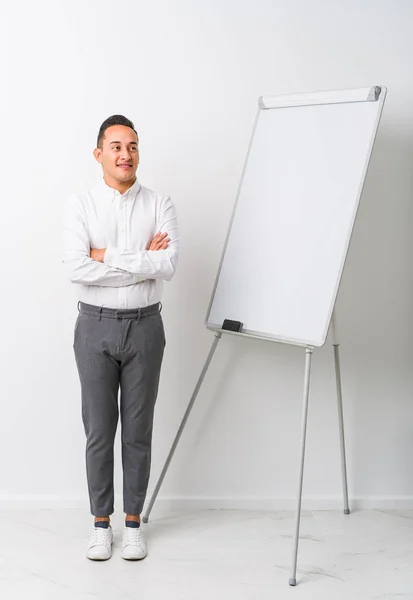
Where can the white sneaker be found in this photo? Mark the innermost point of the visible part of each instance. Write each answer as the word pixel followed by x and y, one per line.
pixel 100 544
pixel 133 544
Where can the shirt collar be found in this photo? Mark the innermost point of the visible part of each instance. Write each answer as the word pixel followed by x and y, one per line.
pixel 112 193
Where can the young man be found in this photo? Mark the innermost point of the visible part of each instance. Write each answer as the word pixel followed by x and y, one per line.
pixel 120 243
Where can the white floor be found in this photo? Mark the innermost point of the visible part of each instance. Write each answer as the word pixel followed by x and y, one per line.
pixel 233 555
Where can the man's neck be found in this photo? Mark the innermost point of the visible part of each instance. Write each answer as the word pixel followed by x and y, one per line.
pixel 121 187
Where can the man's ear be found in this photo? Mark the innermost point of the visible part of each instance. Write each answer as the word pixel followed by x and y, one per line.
pixel 97 153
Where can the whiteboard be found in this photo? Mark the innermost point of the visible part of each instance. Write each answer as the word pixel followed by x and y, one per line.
pixel 295 210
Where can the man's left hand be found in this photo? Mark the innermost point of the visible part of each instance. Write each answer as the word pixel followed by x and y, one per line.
pixel 97 255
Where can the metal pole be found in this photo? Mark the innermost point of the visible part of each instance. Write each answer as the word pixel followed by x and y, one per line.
pixel 308 355
pixel 218 336
pixel 336 346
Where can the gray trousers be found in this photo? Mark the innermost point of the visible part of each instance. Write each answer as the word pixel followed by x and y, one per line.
pixel 118 349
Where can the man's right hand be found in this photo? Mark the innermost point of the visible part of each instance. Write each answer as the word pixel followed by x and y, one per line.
pixel 159 242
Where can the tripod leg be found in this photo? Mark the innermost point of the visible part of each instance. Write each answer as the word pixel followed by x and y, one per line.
pixel 336 347
pixel 181 427
pixel 309 351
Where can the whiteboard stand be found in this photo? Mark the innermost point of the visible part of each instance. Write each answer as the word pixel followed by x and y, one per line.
pixel 307 372
pixel 327 139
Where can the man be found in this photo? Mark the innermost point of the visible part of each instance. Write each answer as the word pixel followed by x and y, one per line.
pixel 120 243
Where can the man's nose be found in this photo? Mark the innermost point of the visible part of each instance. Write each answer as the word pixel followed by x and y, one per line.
pixel 125 154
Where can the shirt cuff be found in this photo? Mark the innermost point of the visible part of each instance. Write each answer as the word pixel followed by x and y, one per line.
pixel 110 256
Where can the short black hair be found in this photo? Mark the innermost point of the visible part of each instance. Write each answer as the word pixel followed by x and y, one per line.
pixel 113 120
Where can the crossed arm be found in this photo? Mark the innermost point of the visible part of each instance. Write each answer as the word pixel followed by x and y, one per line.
pixel 112 267
pixel 159 242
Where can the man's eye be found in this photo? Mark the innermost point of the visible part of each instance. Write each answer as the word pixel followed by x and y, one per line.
pixel 115 147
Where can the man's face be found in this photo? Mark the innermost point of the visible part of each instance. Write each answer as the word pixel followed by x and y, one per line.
pixel 119 155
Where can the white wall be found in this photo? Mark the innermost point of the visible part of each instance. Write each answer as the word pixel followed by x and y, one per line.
pixel 189 75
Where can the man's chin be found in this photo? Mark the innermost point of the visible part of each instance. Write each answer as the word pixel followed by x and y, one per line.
pixel 127 176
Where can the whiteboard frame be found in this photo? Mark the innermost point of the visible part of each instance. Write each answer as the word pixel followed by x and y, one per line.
pixel 370 94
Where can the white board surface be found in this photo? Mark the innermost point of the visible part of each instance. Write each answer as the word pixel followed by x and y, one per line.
pixel 293 218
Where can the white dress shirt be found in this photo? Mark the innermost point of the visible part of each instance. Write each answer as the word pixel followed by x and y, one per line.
pixel 124 224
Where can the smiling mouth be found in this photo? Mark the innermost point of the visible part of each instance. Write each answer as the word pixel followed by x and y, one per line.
pixel 126 166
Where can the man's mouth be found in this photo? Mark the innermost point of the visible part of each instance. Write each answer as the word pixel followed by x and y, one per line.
pixel 125 166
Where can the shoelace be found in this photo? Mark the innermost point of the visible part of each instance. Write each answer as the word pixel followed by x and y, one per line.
pixel 100 536
pixel 132 536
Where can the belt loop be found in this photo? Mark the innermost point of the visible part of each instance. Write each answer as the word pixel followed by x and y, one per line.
pixel 100 313
pixel 160 307
pixel 78 306
pixel 139 315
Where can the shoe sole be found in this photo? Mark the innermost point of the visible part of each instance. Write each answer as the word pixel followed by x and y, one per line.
pixel 133 559
pixel 99 559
